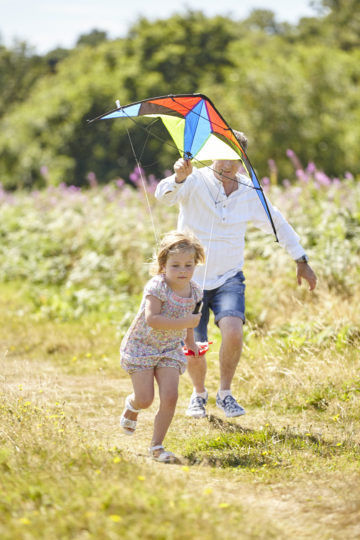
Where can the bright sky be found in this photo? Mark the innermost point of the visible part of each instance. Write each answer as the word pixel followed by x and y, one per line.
pixel 46 24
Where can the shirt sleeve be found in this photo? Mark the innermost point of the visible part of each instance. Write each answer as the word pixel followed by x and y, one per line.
pixel 155 287
pixel 288 238
pixel 170 192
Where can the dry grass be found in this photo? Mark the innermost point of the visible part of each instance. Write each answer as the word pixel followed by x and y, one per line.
pixel 288 469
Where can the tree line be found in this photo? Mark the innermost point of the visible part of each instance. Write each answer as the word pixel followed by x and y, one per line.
pixel 286 86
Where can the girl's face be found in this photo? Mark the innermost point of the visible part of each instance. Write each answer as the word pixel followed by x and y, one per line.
pixel 179 268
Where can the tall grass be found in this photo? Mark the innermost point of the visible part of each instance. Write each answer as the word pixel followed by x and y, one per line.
pixel 72 267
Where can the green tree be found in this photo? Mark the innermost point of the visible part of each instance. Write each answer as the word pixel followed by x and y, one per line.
pixel 20 68
pixel 93 38
pixel 285 86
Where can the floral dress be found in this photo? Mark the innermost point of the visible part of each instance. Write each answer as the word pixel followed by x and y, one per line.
pixel 145 348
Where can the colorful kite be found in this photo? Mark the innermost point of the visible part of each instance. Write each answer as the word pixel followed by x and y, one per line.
pixel 198 130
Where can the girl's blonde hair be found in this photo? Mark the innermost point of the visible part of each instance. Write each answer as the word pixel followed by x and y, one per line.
pixel 175 242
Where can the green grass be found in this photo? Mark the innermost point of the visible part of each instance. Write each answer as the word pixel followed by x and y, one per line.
pixel 67 472
pixel 288 469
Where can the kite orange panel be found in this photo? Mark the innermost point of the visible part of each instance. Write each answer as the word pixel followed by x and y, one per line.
pixel 182 105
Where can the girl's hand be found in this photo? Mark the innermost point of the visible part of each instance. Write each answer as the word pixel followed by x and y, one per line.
pixel 195 350
pixel 192 346
pixel 192 320
pixel 182 170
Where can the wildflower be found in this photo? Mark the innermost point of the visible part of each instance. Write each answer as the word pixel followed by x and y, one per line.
pixel 185 468
pixel 311 168
pixel 273 171
pixel 91 178
pixel 294 159
pixel 120 182
pixel 44 171
pixel 322 178
pixel 115 518
pixel 302 176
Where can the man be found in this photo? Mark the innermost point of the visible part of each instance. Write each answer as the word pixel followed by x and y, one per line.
pixel 216 203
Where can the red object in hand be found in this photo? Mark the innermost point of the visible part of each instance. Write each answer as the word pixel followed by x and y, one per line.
pixel 203 348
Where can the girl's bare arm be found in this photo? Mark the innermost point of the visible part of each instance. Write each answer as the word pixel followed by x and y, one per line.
pixel 157 321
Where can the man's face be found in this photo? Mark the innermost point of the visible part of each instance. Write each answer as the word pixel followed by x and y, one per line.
pixel 226 169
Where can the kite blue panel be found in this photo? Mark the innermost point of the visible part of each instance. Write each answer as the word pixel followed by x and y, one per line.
pixel 202 126
pixel 255 181
pixel 132 110
pixel 191 123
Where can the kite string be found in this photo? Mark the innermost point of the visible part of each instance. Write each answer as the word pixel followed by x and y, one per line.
pixel 145 191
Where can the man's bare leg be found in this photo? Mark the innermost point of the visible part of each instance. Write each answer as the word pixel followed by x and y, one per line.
pixel 230 351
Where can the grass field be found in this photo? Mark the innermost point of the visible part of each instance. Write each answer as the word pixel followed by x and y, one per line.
pixel 288 469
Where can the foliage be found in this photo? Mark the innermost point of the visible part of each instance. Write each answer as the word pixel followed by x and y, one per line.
pixel 93 38
pixel 285 86
pixel 89 488
pixel 87 251
pixel 19 71
pixel 73 263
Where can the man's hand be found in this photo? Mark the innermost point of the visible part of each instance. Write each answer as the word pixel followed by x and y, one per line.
pixel 182 170
pixel 304 271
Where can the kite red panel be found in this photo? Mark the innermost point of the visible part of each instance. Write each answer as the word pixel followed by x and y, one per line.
pixel 182 105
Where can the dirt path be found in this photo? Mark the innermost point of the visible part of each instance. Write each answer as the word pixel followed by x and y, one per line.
pixel 309 508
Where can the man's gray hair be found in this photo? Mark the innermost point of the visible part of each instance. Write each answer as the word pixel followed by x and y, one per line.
pixel 242 138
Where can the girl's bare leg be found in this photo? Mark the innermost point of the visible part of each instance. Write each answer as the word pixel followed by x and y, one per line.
pixel 168 382
pixel 143 384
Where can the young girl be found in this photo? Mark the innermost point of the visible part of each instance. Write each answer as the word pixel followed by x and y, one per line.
pixel 152 348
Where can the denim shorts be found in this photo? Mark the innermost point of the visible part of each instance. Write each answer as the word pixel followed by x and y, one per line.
pixel 228 300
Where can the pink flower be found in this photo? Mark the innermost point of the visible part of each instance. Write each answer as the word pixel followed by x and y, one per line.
pixel 44 171
pixel 294 159
pixel 302 176
pixel 91 178
pixel 322 178
pixel 311 168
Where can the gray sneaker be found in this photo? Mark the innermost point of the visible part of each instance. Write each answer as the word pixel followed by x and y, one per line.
pixel 196 408
pixel 230 406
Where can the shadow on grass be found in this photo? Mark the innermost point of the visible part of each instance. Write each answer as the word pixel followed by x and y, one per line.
pixel 225 425
pixel 231 445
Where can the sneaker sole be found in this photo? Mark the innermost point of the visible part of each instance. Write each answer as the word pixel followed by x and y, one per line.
pixel 233 415
pixel 200 415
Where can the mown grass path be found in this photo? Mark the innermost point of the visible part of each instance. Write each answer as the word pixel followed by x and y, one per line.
pixel 319 503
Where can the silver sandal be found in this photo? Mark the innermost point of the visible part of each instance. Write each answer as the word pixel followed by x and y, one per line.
pixel 162 457
pixel 129 426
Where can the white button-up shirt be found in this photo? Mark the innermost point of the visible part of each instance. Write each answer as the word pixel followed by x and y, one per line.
pixel 219 221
